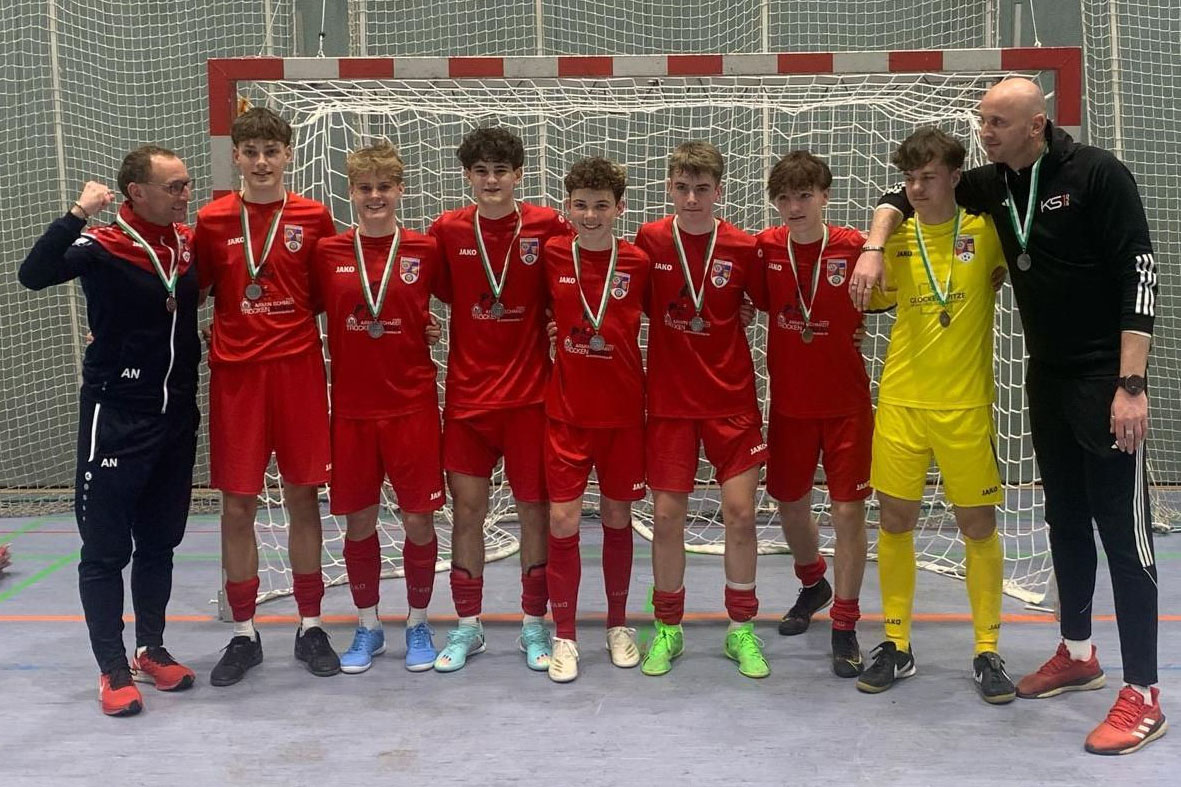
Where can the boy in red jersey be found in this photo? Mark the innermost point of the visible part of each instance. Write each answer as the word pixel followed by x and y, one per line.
pixel 594 404
pixel 820 403
pixel 702 391
pixel 376 281
pixel 268 392
pixel 497 366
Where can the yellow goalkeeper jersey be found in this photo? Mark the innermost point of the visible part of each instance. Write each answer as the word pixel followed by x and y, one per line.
pixel 940 354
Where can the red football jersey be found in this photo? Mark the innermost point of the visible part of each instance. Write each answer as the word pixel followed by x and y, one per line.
pixel 591 386
pixel 282 322
pixel 391 374
pixel 496 360
pixel 699 370
pixel 825 377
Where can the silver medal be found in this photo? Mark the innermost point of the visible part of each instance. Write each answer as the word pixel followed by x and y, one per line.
pixel 598 343
pixel 376 329
pixel 944 318
pixel 1024 261
pixel 497 310
pixel 253 291
pixel 807 335
pixel 170 304
pixel 697 323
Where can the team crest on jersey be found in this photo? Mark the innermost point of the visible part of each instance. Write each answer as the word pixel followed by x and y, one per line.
pixel 836 272
pixel 620 283
pixel 965 248
pixel 293 237
pixel 529 248
pixel 408 269
pixel 719 272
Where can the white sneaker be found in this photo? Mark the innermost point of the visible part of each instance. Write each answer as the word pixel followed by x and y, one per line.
pixel 621 644
pixel 563 661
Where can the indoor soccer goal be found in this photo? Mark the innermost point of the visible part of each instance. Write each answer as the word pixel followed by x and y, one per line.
pixel 852 108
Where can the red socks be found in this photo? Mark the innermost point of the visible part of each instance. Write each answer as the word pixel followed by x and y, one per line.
pixel 362 561
pixel 669 608
pixel 617 572
pixel 741 605
pixel 309 590
pixel 534 591
pixel 845 612
pixel 563 573
pixel 242 597
pixel 419 562
pixel 467 592
pixel 812 573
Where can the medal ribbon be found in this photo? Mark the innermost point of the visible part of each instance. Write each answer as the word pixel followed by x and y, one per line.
pixel 806 306
pixel 596 318
pixel 497 286
pixel 940 295
pixel 244 220
pixel 375 304
pixel 169 279
pixel 697 293
pixel 1022 228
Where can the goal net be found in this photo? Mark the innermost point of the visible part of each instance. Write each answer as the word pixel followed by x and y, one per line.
pixel 850 108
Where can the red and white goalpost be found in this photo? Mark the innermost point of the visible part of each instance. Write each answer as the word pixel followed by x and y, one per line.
pixel 852 108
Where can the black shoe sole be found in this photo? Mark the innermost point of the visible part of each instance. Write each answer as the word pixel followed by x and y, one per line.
pixel 131 710
pixel 843 668
pixel 869 688
pixel 321 672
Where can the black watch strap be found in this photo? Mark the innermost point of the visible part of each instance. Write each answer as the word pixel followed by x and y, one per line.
pixel 1134 384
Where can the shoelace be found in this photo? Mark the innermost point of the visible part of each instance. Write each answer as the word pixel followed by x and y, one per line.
pixel 363 640
pixel 747 639
pixel 1059 663
pixel 241 642
pixel 119 677
pixel 317 640
pixel 159 656
pixel 534 635
pixel 1125 713
pixel 563 651
pixel 420 636
pixel 460 637
pixel 664 636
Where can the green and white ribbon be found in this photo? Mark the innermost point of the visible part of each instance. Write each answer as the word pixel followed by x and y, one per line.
pixel 806 306
pixel 497 286
pixel 698 293
pixel 168 279
pixel 940 295
pixel 251 266
pixel 375 304
pixel 596 318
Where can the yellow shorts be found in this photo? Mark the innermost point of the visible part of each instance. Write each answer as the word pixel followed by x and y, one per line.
pixel 963 443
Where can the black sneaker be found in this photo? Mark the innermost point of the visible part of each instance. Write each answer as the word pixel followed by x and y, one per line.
pixel 810 601
pixel 846 654
pixel 312 648
pixel 889 664
pixel 239 656
pixel 994 683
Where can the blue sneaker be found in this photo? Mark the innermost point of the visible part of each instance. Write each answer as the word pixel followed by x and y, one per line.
pixel 535 642
pixel 420 648
pixel 461 642
pixel 367 643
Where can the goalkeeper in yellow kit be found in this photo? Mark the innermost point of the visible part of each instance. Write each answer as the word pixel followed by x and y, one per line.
pixel 936 399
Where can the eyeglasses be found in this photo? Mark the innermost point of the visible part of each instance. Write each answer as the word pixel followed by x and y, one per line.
pixel 175 188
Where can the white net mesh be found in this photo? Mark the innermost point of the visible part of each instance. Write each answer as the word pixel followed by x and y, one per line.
pixel 1133 75
pixel 853 120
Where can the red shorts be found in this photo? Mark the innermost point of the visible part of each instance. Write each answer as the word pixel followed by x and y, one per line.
pixel 733 445
pixel 407 448
pixel 259 408
pixel 797 444
pixel 475 442
pixel 617 456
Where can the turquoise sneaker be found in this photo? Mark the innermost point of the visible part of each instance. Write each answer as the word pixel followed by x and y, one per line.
pixel 537 646
pixel 420 648
pixel 461 642
pixel 367 643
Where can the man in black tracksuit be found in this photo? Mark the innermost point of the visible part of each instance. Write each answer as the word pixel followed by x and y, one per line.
pixel 137 430
pixel 1076 239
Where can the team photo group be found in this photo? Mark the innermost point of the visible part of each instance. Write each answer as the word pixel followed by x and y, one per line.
pixel 546 373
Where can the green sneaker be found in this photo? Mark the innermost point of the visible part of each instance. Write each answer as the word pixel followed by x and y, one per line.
pixel 744 647
pixel 667 644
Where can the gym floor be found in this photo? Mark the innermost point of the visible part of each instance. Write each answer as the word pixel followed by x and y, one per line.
pixel 496 722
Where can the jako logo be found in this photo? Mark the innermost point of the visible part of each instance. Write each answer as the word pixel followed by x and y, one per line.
pixel 233 241
pixel 346 268
pixel 567 280
pixel 663 266
pixel 1055 202
pixel 468 253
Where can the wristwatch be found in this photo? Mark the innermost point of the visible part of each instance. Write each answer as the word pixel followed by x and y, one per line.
pixel 1133 384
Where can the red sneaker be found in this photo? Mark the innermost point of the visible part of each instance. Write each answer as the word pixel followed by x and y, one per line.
pixel 1062 673
pixel 156 665
pixel 1130 724
pixel 118 694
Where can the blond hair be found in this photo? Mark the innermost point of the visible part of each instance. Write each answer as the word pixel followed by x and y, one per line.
pixel 381 159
